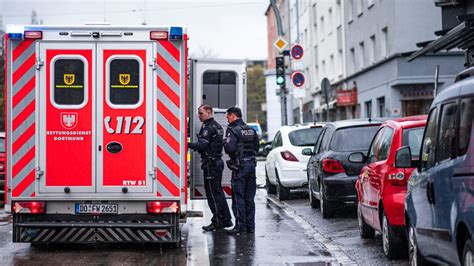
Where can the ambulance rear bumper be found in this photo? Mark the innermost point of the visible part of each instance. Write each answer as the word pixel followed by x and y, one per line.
pixel 124 228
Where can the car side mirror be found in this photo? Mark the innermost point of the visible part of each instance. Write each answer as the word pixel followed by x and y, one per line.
pixel 268 148
pixel 403 157
pixel 307 151
pixel 357 157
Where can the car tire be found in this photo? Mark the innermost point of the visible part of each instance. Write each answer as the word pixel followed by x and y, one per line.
pixel 364 229
pixel 324 206
pixel 414 255
pixel 468 253
pixel 312 199
pixel 393 243
pixel 271 189
pixel 283 193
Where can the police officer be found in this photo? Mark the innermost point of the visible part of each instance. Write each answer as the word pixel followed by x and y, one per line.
pixel 242 145
pixel 209 145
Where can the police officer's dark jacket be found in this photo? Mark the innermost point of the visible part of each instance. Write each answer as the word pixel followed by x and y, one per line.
pixel 241 140
pixel 210 140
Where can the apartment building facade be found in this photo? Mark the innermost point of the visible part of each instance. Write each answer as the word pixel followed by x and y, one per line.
pixel 361 46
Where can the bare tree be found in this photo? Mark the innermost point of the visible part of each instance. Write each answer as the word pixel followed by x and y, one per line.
pixel 34 18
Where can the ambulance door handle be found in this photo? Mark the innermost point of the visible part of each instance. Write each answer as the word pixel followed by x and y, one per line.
pixel 153 63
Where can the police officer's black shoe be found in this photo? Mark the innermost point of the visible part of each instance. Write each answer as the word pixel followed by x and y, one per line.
pixel 227 224
pixel 235 231
pixel 211 227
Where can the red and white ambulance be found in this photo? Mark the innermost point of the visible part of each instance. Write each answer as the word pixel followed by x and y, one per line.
pixel 96 132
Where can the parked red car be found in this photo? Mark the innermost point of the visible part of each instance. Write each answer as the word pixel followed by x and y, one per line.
pixel 381 186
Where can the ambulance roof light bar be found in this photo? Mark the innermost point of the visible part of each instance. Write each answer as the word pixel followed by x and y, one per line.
pixel 174 33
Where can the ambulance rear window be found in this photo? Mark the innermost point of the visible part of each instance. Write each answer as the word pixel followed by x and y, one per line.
pixel 124 81
pixel 69 81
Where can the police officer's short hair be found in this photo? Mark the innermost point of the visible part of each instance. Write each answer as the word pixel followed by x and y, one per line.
pixel 236 111
pixel 206 107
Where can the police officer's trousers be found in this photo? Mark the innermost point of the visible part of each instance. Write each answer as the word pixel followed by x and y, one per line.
pixel 214 193
pixel 244 187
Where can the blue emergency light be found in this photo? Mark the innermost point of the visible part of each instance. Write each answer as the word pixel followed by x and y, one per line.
pixel 15 36
pixel 176 33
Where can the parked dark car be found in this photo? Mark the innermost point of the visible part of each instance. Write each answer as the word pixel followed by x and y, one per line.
pixel 331 177
pixel 439 205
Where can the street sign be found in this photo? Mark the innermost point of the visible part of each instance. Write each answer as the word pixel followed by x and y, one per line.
pixel 280 43
pixel 325 86
pixel 297 52
pixel 297 78
pixel 297 65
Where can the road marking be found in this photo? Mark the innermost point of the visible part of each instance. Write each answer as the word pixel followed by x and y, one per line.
pixel 336 252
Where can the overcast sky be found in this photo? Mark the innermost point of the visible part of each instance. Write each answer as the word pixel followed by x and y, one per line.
pixel 226 28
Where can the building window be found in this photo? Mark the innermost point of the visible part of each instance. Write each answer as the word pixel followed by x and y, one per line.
pixel 368 109
pixel 370 3
pixel 353 60
pixel 350 8
pixel 330 21
pixel 340 64
pixel 315 14
pixel 381 106
pixel 384 42
pixel 359 7
pixel 331 67
pixel 372 52
pixel 323 72
pixel 361 55
pixel 322 25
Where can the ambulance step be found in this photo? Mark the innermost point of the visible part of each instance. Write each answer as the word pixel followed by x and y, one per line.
pixel 95 225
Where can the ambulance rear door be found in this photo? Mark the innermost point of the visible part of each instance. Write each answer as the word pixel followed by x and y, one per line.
pixel 124 117
pixel 222 84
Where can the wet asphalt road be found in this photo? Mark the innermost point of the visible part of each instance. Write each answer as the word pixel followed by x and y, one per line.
pixel 289 232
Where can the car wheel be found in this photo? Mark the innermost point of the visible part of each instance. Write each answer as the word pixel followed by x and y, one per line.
pixel 467 257
pixel 414 255
pixel 271 189
pixel 364 229
pixel 312 200
pixel 326 209
pixel 283 193
pixel 392 240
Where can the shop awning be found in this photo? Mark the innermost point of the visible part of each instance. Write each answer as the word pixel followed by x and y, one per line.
pixel 461 36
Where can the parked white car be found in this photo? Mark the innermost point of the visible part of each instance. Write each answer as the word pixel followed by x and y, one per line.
pixel 285 166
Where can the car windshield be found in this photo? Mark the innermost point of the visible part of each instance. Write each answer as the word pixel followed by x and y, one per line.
pixel 353 138
pixel 412 137
pixel 304 137
pixel 2 145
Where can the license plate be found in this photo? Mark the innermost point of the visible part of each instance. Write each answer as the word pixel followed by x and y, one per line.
pixel 90 208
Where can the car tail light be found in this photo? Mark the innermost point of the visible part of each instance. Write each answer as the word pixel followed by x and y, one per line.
pixel 288 156
pixel 162 207
pixel 332 166
pixel 32 207
pixel 396 177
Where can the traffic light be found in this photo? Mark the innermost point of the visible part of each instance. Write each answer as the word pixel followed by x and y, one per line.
pixel 280 70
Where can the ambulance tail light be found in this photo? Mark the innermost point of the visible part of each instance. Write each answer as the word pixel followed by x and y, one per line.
pixel 154 207
pixel 159 35
pixel 33 35
pixel 30 207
